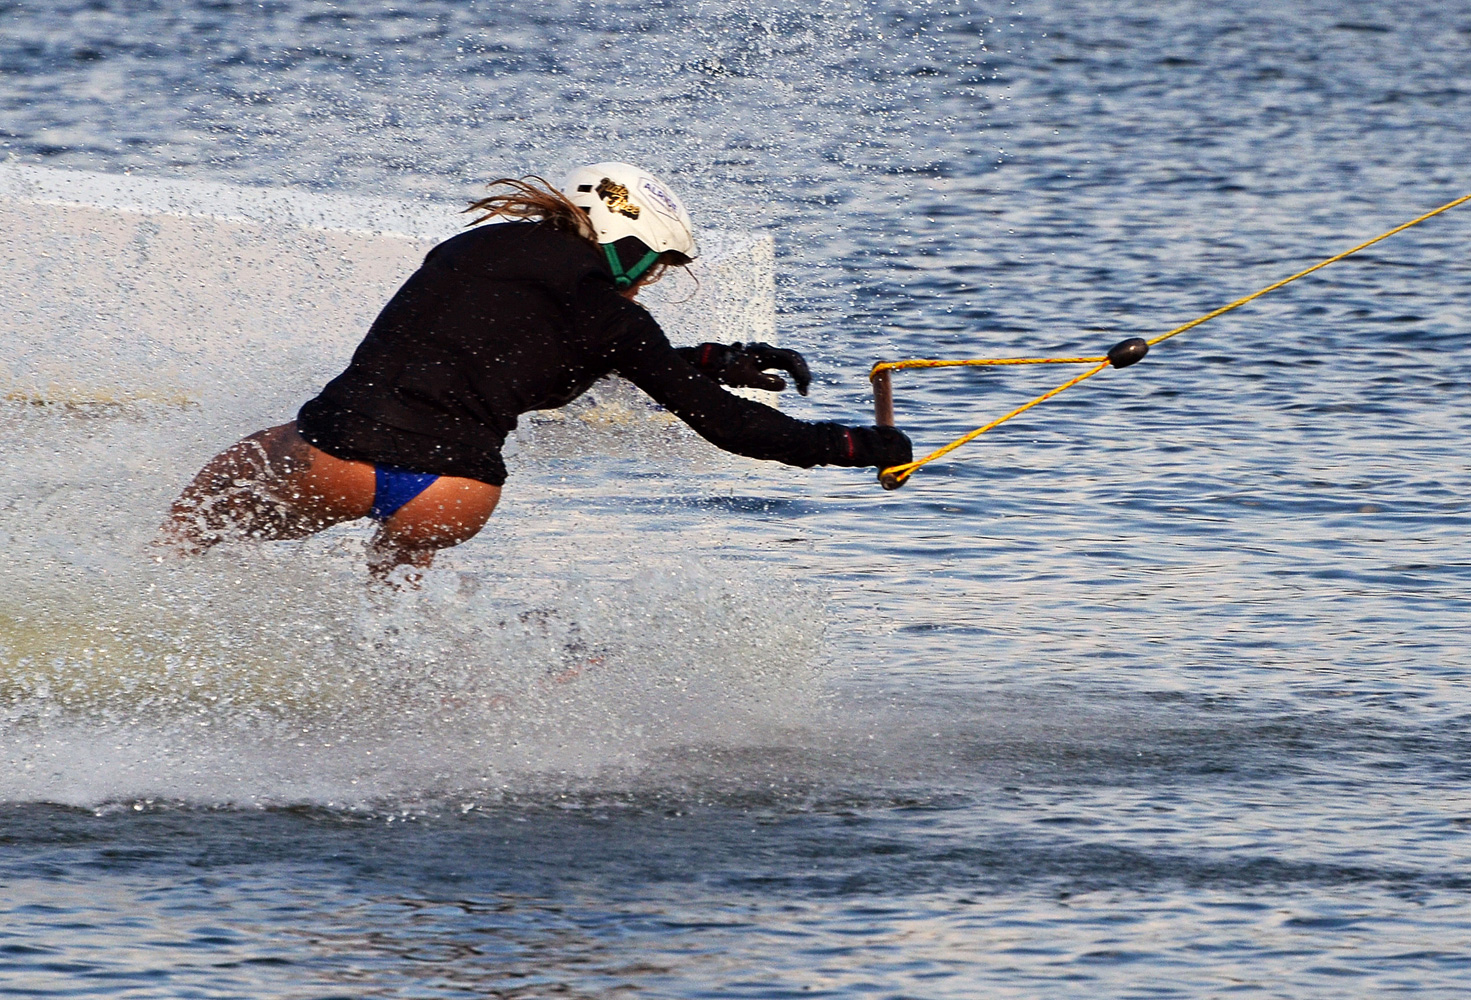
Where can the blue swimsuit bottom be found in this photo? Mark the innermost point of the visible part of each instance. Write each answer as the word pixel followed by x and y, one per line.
pixel 393 487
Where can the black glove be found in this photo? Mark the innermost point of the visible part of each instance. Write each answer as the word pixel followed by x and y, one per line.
pixel 881 447
pixel 745 365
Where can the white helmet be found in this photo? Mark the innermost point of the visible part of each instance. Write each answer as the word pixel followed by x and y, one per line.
pixel 622 200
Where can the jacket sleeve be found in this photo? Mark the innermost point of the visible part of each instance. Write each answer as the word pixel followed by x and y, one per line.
pixel 644 356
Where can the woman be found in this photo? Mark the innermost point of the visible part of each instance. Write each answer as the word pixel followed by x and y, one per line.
pixel 501 320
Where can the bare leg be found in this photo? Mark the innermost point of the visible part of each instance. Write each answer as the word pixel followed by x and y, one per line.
pixel 272 485
pixel 452 510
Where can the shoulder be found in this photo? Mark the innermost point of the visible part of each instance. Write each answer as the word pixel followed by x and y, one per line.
pixel 628 326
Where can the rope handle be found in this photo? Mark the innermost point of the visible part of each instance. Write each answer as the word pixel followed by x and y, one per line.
pixel 1121 355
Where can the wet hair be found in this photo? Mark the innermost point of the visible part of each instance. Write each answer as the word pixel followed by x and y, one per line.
pixel 533 198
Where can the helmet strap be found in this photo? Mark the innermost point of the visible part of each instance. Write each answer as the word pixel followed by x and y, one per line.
pixel 624 278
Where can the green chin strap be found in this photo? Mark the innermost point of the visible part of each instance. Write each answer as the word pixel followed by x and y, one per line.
pixel 625 279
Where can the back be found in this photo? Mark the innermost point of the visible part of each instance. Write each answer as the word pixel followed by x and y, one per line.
pixel 499 320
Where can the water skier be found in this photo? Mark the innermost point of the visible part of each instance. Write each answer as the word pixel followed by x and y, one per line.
pixel 498 321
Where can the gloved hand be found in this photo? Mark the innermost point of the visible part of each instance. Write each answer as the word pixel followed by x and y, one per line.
pixel 881 447
pixel 746 365
pixel 766 357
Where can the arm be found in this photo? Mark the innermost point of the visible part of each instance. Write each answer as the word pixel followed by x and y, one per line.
pixel 644 356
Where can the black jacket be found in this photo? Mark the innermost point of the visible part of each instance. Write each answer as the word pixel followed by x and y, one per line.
pixel 507 318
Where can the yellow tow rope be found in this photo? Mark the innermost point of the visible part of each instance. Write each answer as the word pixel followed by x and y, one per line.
pixel 1121 355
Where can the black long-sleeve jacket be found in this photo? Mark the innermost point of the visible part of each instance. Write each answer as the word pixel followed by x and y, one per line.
pixel 507 318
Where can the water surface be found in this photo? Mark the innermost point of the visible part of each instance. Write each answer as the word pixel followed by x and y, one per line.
pixel 1158 691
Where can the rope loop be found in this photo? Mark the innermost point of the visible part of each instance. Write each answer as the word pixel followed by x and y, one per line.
pixel 1121 355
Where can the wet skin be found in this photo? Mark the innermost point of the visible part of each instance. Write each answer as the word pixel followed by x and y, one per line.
pixel 274 485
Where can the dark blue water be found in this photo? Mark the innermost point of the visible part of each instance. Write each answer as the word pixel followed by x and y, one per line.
pixel 1157 691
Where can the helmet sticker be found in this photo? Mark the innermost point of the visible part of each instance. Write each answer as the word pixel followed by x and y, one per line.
pixel 616 195
pixel 659 196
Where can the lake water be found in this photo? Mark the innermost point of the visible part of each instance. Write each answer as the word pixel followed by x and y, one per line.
pixel 1159 690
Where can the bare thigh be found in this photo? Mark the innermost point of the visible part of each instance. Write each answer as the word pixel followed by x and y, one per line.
pixel 272 485
pixel 275 485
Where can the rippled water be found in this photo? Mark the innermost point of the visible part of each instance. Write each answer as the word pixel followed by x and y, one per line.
pixel 1158 690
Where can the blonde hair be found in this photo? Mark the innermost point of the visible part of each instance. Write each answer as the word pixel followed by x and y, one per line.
pixel 534 198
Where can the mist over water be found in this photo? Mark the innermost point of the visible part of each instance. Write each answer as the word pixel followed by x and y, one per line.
pixel 271 674
pixel 1160 689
